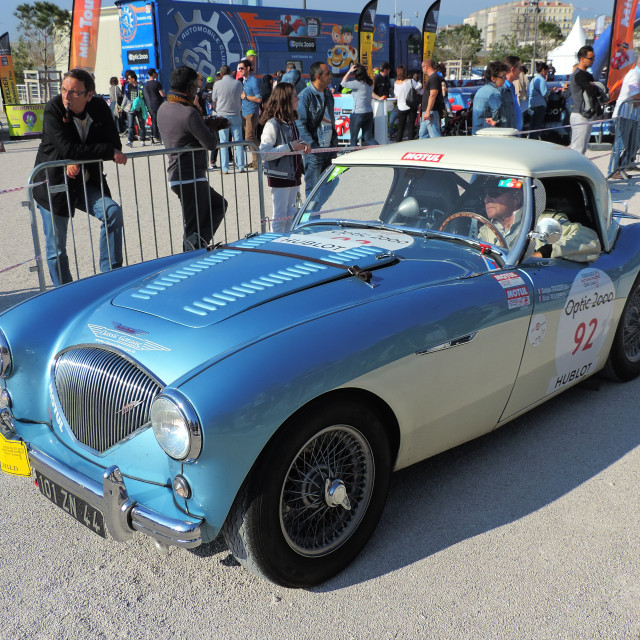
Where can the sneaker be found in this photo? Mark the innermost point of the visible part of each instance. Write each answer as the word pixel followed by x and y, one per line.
pixel 214 165
pixel 142 143
pixel 242 171
pixel 129 144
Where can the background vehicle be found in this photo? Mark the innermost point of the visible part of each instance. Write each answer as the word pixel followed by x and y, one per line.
pixel 165 35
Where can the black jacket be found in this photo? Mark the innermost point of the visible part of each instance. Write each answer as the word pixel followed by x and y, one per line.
pixel 61 141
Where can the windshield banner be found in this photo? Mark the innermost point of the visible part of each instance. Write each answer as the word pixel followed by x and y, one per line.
pixel 621 58
pixel 84 35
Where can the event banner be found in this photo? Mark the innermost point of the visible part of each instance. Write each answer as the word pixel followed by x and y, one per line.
pixel 429 28
pixel 25 119
pixel 366 29
pixel 7 74
pixel 84 34
pixel 622 56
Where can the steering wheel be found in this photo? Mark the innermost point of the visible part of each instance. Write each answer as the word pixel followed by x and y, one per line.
pixel 476 216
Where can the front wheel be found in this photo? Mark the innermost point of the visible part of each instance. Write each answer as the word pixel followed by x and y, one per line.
pixel 624 358
pixel 314 498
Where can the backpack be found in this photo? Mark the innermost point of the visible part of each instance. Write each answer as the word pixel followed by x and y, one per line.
pixel 593 107
pixel 414 99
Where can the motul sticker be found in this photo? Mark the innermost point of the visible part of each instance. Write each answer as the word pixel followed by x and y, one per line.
pixel 517 297
pixel 423 157
pixel 508 279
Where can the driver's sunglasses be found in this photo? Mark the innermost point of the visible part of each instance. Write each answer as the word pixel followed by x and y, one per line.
pixel 71 93
pixel 494 192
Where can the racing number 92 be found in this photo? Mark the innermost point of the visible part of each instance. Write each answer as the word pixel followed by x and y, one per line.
pixel 581 331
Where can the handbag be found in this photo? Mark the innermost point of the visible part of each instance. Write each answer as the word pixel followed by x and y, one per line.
pixel 414 99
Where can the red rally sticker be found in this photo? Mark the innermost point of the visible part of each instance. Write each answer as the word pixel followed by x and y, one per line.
pixel 423 157
pixel 517 297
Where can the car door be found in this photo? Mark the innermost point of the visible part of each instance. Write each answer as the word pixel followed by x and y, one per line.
pixel 573 304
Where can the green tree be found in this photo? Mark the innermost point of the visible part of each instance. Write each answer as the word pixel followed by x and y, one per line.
pixel 549 37
pixel 462 42
pixel 45 30
pixel 510 46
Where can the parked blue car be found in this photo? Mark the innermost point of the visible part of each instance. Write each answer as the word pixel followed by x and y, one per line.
pixel 267 389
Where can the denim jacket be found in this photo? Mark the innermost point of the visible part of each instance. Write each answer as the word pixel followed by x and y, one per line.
pixel 487 103
pixel 310 107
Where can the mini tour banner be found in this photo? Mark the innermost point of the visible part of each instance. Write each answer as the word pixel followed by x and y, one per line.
pixel 622 56
pixel 7 73
pixel 429 28
pixel 84 34
pixel 366 29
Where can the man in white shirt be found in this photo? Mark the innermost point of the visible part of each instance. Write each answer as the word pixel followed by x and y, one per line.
pixel 625 115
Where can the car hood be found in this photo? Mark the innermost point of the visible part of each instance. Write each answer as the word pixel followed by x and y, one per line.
pixel 210 288
pixel 178 319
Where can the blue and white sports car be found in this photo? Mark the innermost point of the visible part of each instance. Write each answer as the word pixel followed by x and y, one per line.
pixel 428 292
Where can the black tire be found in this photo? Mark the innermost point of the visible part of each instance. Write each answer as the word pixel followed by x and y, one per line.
pixel 289 523
pixel 623 363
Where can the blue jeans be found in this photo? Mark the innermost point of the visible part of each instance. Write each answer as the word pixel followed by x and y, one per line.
pixel 236 134
pixel 132 116
pixel 314 166
pixel 55 232
pixel 430 128
pixel 362 121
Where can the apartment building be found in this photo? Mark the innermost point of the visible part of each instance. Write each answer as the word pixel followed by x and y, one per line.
pixel 520 18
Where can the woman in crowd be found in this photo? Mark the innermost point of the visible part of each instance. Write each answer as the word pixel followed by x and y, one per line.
pixel 538 96
pixel 488 108
pixel 283 168
pixel 115 97
pixel 406 114
pixel 361 85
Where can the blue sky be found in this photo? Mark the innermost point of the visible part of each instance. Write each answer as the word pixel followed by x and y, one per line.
pixel 451 11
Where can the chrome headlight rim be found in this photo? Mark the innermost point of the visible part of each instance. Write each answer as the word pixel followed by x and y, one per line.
pixel 6 361
pixel 191 420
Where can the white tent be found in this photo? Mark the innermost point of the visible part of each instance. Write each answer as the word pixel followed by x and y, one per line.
pixel 564 57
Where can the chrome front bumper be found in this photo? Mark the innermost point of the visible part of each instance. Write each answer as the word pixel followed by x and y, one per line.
pixel 122 516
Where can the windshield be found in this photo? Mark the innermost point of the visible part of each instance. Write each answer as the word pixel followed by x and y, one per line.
pixel 483 207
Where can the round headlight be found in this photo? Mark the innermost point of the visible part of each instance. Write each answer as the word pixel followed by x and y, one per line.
pixel 176 426
pixel 5 357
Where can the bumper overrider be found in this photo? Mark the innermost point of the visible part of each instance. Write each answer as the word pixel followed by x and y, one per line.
pixel 122 515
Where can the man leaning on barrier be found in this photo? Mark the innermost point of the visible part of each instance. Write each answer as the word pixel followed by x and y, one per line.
pixel 78 126
pixel 181 125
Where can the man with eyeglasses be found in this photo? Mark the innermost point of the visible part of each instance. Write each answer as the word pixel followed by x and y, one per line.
pixel 581 81
pixel 77 125
pixel 251 100
pixel 316 123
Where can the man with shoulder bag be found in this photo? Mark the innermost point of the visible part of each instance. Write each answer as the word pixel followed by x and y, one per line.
pixel 582 84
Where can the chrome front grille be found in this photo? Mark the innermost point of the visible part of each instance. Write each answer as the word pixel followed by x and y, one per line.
pixel 104 396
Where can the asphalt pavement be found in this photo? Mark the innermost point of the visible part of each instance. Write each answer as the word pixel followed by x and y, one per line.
pixel 530 532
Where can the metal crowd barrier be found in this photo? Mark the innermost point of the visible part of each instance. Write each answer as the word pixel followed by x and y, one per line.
pixel 152 213
pixel 626 142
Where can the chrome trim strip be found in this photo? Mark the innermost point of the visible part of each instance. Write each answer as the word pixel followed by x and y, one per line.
pixel 122 515
pixel 456 342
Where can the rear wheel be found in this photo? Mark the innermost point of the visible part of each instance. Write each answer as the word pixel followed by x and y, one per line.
pixel 314 498
pixel 624 358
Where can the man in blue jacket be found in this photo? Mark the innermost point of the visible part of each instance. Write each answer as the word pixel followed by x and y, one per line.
pixel 316 124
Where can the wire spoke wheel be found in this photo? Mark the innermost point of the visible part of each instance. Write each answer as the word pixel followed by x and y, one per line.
pixel 326 490
pixel 631 327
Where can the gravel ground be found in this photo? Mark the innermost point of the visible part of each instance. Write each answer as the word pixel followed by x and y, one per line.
pixel 530 532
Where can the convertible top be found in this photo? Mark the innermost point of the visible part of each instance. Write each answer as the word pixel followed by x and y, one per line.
pixel 503 155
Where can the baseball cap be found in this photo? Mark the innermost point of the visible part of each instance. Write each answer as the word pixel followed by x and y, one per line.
pixel 251 52
pixel 210 79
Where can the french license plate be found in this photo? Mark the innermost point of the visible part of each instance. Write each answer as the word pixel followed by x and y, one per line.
pixel 76 507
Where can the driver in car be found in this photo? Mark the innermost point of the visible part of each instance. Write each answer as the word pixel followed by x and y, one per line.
pixel 503 200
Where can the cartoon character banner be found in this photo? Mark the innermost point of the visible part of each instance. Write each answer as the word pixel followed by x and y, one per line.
pixel 24 119
pixel 206 36
pixel 622 57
